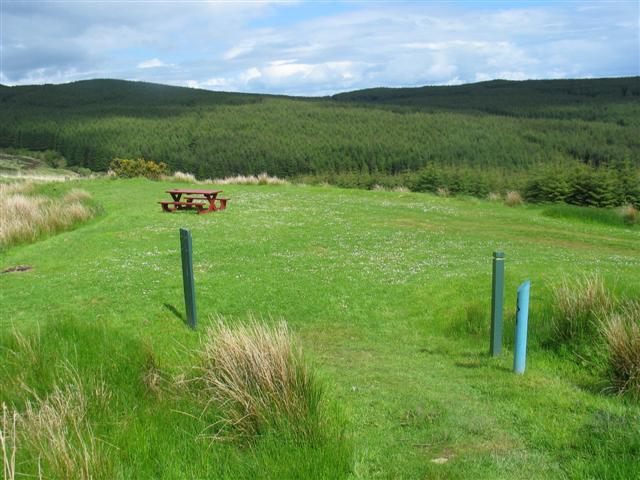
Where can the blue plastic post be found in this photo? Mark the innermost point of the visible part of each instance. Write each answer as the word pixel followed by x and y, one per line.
pixel 522 320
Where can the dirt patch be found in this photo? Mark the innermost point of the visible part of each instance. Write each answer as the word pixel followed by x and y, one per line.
pixel 17 268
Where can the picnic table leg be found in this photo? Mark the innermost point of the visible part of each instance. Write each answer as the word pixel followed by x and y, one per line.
pixel 212 204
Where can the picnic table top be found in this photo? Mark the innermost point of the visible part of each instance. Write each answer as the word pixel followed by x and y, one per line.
pixel 195 192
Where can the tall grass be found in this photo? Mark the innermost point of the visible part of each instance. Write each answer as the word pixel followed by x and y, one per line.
pixel 53 432
pixel 8 442
pixel 180 177
pixel 602 329
pixel 621 332
pixel 26 217
pixel 56 429
pixel 578 304
pixel 261 179
pixel 95 402
pixel 617 217
pixel 257 377
pixel 513 199
pixel 630 214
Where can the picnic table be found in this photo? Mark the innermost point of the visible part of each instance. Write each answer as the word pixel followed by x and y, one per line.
pixel 204 201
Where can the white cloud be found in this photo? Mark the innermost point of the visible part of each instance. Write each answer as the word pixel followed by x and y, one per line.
pixel 153 63
pixel 239 50
pixel 261 47
pixel 249 74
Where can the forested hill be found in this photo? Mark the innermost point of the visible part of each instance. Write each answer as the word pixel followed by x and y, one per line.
pixel 486 135
pixel 116 95
pixel 588 99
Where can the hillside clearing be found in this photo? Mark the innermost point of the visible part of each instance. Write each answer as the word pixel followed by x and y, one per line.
pixel 377 286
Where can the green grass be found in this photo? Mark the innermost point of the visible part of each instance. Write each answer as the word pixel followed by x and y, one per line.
pixel 605 216
pixel 385 291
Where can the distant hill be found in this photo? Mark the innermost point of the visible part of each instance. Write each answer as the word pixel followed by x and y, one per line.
pixel 585 98
pixel 116 94
pixel 495 131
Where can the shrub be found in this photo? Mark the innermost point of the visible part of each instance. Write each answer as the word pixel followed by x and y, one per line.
pixel 513 199
pixel 126 168
pixel 578 305
pixel 257 377
pixel 630 214
pixel 621 332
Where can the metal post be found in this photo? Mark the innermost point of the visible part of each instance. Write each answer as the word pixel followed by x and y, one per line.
pixel 187 277
pixel 522 320
pixel 497 298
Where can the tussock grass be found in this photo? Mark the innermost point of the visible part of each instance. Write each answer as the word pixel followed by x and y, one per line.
pixel 180 177
pixel 77 195
pixel 513 199
pixel 630 214
pixel 26 217
pixel 8 442
pixel 443 192
pixel 494 197
pixel 57 429
pixel 137 413
pixel 261 179
pixel 257 377
pixel 604 330
pixel 54 432
pixel 401 189
pixel 621 332
pixel 578 304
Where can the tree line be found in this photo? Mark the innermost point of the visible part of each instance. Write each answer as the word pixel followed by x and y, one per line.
pixel 590 127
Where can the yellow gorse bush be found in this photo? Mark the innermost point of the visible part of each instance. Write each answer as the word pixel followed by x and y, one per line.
pixel 126 168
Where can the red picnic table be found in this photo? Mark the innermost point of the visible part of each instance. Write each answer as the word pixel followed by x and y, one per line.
pixel 202 200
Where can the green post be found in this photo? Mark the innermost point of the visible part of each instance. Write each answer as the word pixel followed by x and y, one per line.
pixel 497 298
pixel 187 277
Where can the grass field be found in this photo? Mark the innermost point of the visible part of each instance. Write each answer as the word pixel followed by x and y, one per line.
pixel 389 294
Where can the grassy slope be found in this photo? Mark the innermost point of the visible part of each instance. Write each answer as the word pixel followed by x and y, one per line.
pixel 16 165
pixel 377 285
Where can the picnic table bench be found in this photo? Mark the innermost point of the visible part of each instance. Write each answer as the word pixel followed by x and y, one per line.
pixel 203 201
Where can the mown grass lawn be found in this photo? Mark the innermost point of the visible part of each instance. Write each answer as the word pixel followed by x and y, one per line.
pixel 389 294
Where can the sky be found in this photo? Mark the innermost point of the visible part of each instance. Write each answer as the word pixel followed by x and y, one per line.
pixel 315 47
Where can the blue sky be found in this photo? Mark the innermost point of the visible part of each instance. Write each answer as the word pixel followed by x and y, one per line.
pixel 316 48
